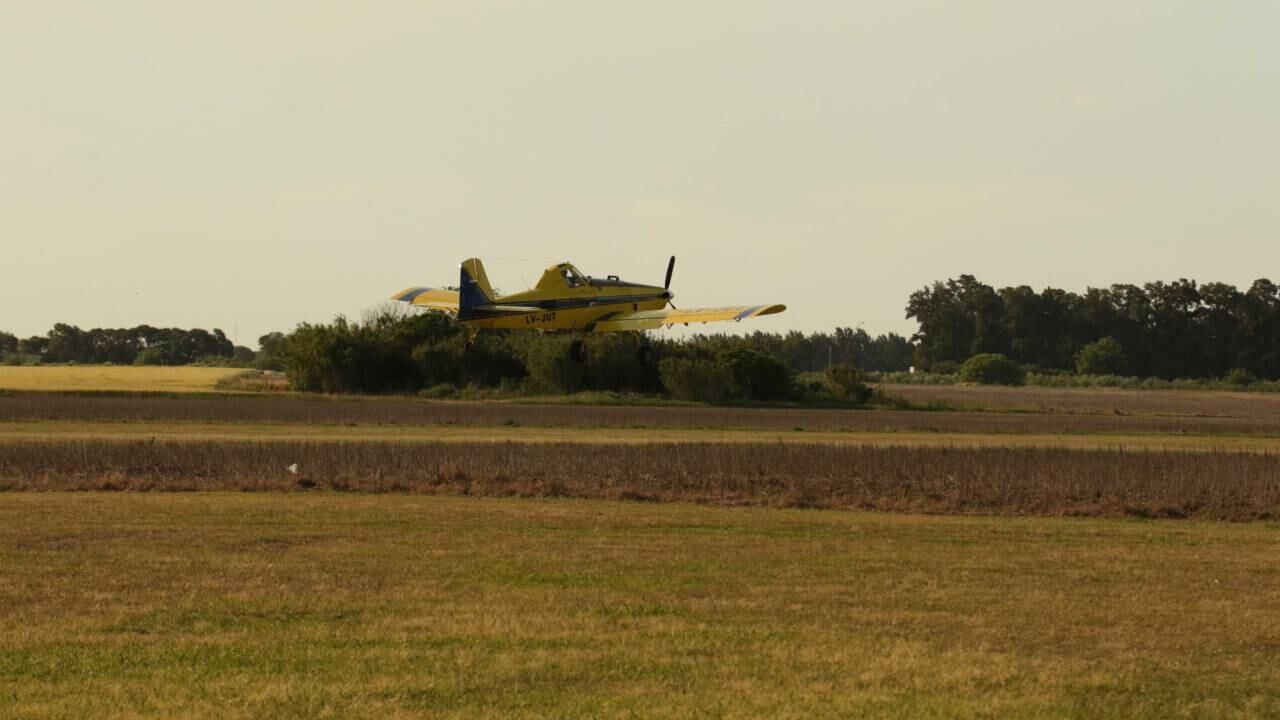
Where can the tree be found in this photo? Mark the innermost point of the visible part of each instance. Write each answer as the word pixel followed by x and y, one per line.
pixel 8 343
pixel 34 345
pixel 1103 357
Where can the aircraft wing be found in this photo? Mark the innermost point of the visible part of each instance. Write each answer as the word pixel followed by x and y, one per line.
pixel 650 319
pixel 430 298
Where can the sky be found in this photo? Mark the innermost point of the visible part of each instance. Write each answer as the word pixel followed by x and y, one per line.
pixel 248 165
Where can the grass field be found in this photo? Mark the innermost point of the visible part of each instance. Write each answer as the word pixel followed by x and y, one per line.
pixel 113 378
pixel 246 606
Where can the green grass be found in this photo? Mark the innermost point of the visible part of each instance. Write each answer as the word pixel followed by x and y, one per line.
pixel 229 605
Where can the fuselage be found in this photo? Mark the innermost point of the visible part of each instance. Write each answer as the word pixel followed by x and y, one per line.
pixel 564 299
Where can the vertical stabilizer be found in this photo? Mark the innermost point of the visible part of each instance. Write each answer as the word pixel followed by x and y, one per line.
pixel 473 287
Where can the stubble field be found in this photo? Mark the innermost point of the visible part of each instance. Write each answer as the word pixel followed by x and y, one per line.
pixel 236 605
pixel 247 556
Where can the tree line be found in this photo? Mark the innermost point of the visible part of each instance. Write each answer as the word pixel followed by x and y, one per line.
pixel 1158 330
pixel 1180 329
pixel 141 345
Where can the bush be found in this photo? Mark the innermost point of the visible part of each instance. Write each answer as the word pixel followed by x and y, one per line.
pixel 696 379
pixel 945 367
pixel 1104 357
pixel 440 391
pixel 847 383
pixel 1240 377
pixel 17 358
pixel 150 356
pixel 992 369
pixel 755 375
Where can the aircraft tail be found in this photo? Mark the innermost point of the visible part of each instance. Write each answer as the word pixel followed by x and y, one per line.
pixel 473 288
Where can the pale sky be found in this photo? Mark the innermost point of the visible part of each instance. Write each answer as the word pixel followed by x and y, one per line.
pixel 248 165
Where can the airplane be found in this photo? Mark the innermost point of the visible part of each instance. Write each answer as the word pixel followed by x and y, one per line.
pixel 567 301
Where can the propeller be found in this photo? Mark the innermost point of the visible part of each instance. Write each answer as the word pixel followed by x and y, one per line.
pixel 671 267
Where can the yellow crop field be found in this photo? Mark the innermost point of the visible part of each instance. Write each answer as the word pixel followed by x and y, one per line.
pixel 126 378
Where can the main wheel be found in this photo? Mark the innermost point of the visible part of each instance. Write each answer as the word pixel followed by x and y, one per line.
pixel 646 355
pixel 578 351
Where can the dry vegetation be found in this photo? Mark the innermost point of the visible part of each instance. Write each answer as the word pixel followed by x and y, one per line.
pixel 1220 485
pixel 342 605
pixel 383 411
pixel 1095 400
pixel 514 433
pixel 112 378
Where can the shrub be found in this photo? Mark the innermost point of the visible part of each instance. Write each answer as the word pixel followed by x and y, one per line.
pixel 1240 377
pixel 754 375
pixel 16 358
pixel 695 379
pixel 150 356
pixel 992 369
pixel 945 367
pixel 847 383
pixel 442 390
pixel 1103 357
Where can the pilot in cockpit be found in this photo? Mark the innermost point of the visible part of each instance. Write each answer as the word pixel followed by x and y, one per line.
pixel 571 277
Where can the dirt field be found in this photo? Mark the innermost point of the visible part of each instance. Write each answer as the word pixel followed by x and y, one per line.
pixel 343 605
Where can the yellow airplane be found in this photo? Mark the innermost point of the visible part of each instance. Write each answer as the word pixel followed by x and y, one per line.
pixel 565 300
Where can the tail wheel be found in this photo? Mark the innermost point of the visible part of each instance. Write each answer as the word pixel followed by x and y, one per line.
pixel 578 351
pixel 646 355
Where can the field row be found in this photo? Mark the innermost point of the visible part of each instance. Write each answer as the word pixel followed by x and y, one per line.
pixel 1040 481
pixel 1193 403
pixel 401 412
pixel 183 431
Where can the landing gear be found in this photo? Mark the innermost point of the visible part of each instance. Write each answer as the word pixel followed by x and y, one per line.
pixel 578 351
pixel 471 341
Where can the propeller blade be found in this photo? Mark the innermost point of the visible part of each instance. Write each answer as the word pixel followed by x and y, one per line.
pixel 671 267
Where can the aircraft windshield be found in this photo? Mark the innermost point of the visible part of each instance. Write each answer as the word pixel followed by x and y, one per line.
pixel 572 277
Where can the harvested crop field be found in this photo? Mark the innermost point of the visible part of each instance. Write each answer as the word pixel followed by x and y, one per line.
pixel 404 412
pixel 234 605
pixel 1031 481
pixel 112 378
pixel 1194 403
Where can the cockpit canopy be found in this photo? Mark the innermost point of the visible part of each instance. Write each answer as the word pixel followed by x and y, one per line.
pixel 559 277
pixel 566 276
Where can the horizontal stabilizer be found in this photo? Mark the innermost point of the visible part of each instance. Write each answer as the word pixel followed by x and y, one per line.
pixel 429 298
